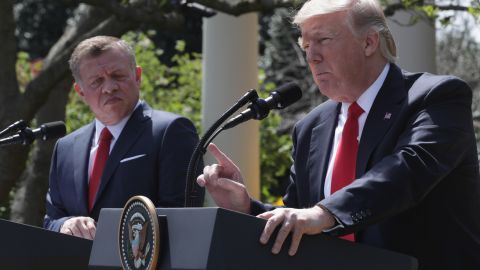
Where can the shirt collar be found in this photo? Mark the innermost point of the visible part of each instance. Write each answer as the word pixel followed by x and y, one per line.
pixel 365 101
pixel 116 129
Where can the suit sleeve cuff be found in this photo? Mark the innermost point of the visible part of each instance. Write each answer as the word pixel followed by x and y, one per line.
pixel 338 224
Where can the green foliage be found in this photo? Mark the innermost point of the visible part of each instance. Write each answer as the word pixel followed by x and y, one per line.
pixel 429 10
pixel 177 88
pixel 23 70
pixel 411 3
pixel 275 158
pixel 475 11
pixel 77 113
pixel 445 21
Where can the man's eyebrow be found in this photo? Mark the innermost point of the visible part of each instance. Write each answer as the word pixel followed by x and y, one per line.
pixel 117 69
pixel 320 31
pixel 94 76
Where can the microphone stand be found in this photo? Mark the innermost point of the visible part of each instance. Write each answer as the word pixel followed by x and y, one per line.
pixel 19 125
pixel 192 194
pixel 25 134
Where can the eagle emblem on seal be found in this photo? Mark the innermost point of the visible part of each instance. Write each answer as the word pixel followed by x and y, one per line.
pixel 139 235
pixel 137 228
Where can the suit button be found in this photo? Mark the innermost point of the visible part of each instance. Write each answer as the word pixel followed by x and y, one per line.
pixel 354 218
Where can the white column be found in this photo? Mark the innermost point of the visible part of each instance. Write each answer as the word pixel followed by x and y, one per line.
pixel 415 43
pixel 230 53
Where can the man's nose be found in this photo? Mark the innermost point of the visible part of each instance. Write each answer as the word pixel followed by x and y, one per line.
pixel 313 55
pixel 110 86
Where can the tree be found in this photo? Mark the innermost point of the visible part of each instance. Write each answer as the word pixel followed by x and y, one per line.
pixel 44 97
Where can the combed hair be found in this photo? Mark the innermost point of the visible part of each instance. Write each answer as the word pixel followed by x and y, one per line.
pixel 96 46
pixel 363 16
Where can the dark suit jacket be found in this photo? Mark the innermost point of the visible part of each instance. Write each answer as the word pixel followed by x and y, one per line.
pixel 418 188
pixel 166 140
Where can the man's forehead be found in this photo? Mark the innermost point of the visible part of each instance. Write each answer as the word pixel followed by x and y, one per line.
pixel 105 61
pixel 107 55
pixel 319 28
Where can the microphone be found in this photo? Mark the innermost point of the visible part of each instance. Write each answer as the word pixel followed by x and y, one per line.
pixel 19 125
pixel 45 132
pixel 280 98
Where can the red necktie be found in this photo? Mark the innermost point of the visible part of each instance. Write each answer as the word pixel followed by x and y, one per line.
pixel 345 161
pixel 98 165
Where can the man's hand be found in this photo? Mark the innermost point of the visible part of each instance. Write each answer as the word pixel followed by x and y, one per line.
pixel 80 226
pixel 224 182
pixel 297 221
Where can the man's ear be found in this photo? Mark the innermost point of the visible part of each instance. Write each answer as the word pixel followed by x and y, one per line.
pixel 372 42
pixel 78 89
pixel 138 74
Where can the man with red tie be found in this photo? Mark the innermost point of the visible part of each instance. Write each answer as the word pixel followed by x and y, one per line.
pixel 390 160
pixel 128 150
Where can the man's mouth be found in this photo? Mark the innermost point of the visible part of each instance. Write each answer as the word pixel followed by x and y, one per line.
pixel 112 100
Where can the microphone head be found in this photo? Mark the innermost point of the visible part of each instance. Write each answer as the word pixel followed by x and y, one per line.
pixel 286 95
pixel 52 130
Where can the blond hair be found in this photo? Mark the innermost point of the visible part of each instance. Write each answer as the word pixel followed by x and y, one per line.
pixel 362 16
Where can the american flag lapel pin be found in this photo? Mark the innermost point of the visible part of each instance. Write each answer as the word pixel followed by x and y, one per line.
pixel 387 116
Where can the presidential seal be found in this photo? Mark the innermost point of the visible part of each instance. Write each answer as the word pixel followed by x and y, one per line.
pixel 139 235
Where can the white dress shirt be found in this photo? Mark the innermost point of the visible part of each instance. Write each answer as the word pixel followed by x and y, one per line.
pixel 365 101
pixel 115 130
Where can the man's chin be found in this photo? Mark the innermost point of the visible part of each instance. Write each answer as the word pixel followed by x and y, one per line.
pixel 332 96
pixel 326 91
pixel 111 118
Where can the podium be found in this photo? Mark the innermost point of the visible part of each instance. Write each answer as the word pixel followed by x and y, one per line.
pixel 219 239
pixel 28 247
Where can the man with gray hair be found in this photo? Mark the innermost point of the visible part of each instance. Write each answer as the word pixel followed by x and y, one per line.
pixel 390 160
pixel 128 150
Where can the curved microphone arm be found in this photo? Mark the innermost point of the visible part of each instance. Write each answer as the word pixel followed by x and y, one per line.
pixel 192 194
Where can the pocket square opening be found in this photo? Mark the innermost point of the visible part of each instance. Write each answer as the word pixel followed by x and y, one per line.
pixel 133 157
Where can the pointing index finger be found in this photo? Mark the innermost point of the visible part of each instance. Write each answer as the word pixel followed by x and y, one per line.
pixel 221 158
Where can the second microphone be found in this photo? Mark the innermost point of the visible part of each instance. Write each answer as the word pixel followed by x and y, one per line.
pixel 280 98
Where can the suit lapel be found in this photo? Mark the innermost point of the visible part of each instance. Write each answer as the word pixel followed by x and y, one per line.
pixel 382 115
pixel 320 147
pixel 81 148
pixel 132 130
